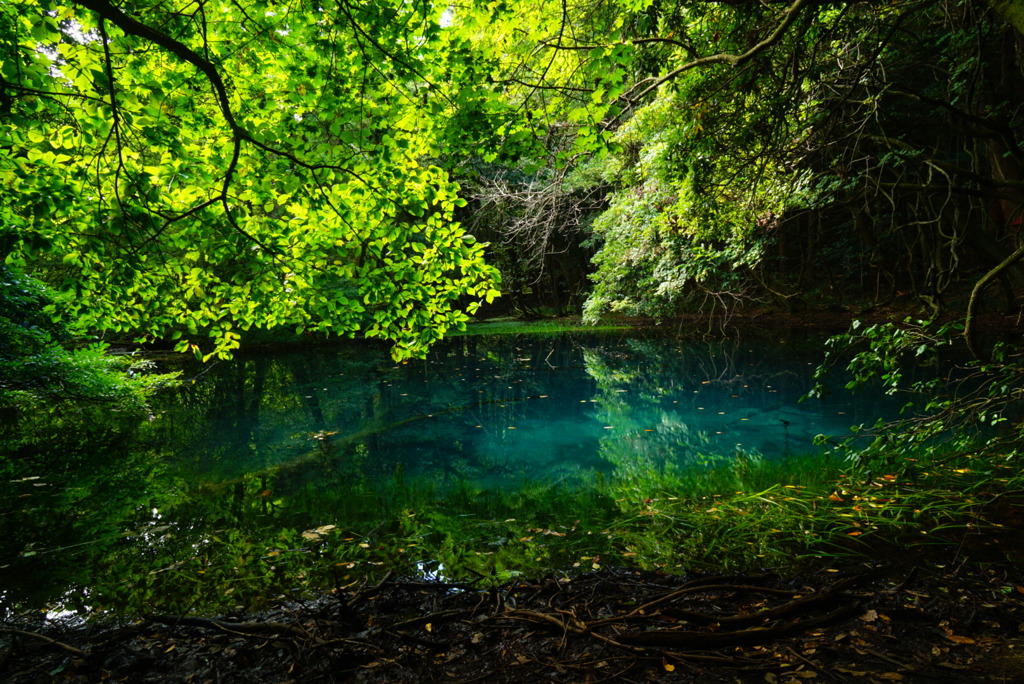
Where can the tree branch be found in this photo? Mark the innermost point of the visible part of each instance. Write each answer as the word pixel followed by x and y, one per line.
pixel 1010 10
pixel 984 181
pixel 136 28
pixel 788 17
pixel 972 304
pixel 133 27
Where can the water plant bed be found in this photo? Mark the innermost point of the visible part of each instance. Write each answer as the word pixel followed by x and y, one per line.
pixel 855 622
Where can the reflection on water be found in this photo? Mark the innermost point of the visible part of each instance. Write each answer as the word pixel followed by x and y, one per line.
pixel 238 477
pixel 496 410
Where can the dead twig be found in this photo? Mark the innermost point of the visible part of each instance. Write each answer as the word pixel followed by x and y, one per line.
pixel 432 617
pixel 689 589
pixel 744 637
pixel 238 628
pixel 366 591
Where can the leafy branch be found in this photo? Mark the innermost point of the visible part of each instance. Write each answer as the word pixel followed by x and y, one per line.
pixel 131 26
pixel 786 20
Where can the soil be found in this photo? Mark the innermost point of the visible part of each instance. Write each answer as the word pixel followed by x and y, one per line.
pixel 836 623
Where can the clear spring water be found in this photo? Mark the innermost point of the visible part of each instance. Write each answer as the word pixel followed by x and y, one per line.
pixel 498 409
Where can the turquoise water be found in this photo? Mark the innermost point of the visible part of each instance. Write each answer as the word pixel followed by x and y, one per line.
pixel 234 481
pixel 498 410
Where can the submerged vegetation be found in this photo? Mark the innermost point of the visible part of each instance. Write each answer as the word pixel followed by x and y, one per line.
pixel 739 515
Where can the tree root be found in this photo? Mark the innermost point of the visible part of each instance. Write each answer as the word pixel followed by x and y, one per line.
pixel 42 637
pixel 643 641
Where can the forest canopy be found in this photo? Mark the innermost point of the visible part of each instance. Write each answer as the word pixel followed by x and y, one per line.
pixel 201 168
pixel 192 169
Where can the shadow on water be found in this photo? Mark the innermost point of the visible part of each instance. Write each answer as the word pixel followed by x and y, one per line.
pixel 239 478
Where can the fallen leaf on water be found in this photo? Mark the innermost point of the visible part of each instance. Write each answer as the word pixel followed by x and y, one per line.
pixel 959 639
pixel 852 673
pixel 869 616
pixel 891 676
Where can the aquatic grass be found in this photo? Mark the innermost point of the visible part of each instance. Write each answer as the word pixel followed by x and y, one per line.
pixel 843 512
pixel 747 513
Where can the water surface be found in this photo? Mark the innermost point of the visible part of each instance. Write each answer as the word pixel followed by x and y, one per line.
pixel 497 409
pixel 253 471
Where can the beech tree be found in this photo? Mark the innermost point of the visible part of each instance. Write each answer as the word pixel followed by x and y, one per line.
pixel 197 168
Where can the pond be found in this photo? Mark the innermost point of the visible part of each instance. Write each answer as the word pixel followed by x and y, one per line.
pixel 497 410
pixel 277 473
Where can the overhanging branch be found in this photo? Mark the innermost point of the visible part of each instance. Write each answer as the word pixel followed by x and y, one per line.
pixel 131 26
pixel 970 333
pixel 136 28
pixel 788 17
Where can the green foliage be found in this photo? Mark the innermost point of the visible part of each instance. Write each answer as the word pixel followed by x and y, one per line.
pixel 38 373
pixel 200 174
pixel 766 153
pixel 73 462
pixel 702 177
pixel 959 442
pixel 884 352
